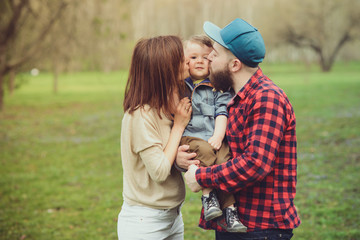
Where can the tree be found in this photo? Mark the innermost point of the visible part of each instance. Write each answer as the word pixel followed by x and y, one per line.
pixel 324 26
pixel 23 26
pixel 62 43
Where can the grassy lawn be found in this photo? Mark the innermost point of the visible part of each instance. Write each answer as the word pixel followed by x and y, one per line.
pixel 61 175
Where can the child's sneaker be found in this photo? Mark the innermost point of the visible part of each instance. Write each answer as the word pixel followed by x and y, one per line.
pixel 211 206
pixel 230 221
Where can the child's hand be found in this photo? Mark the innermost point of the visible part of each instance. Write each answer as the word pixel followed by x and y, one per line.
pixel 183 113
pixel 215 142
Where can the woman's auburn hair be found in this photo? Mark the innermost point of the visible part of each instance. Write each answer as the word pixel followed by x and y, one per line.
pixel 155 75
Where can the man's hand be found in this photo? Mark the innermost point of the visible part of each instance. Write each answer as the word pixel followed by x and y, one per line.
pixel 190 179
pixel 185 159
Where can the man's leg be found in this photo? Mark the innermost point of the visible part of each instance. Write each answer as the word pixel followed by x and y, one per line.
pixel 269 234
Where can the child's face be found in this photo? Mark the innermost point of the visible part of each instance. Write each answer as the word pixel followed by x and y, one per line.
pixel 198 62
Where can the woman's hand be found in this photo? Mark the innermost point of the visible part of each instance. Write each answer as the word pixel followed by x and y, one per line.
pixel 183 113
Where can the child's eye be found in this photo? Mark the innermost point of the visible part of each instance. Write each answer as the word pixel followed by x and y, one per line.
pixel 193 57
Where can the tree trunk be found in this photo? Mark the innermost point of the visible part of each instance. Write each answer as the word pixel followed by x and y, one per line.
pixel 11 82
pixel 2 73
pixel 1 91
pixel 56 78
pixel 326 64
pixel 55 70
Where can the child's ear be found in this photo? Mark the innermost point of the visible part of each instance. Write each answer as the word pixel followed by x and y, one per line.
pixel 235 65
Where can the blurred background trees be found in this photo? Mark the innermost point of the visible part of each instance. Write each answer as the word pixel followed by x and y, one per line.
pixel 323 26
pixel 23 26
pixel 99 35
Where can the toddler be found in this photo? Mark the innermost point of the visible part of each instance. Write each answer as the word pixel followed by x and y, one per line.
pixel 206 130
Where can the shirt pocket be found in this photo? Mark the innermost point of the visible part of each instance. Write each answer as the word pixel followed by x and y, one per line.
pixel 236 121
pixel 207 110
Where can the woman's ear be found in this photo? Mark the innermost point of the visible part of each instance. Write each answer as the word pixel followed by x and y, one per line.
pixel 235 65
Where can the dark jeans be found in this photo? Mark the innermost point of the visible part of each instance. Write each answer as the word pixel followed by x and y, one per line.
pixel 269 234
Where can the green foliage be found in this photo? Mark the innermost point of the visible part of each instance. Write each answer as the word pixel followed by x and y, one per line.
pixel 61 175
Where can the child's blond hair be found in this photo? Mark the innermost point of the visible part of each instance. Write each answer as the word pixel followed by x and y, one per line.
pixel 201 40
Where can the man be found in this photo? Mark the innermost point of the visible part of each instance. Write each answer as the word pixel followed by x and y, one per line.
pixel 261 134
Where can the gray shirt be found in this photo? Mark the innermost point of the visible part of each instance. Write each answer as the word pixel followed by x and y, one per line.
pixel 207 104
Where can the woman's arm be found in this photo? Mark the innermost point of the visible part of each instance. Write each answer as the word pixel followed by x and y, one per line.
pixel 148 141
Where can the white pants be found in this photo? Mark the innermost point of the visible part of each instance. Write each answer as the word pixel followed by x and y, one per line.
pixel 137 222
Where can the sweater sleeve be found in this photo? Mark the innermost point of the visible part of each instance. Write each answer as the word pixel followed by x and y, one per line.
pixel 147 143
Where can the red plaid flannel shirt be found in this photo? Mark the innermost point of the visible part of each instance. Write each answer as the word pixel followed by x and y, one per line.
pixel 262 173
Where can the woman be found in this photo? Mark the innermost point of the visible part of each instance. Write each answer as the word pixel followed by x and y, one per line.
pixel 153 123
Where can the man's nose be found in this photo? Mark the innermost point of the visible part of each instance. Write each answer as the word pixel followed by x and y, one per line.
pixel 210 57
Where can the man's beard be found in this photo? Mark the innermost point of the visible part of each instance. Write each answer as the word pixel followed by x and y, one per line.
pixel 221 80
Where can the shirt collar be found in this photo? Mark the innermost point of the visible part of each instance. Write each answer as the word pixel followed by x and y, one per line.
pixel 189 81
pixel 244 91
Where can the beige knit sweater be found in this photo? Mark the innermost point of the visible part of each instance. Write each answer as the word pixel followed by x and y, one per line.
pixel 148 178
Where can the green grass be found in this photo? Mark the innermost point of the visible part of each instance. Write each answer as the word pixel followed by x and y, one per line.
pixel 61 175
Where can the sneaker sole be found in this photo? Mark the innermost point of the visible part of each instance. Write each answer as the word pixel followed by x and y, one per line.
pixel 241 229
pixel 232 230
pixel 213 215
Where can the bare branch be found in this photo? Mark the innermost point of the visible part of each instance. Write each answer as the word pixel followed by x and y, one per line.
pixel 345 38
pixel 32 12
pixel 33 47
pixel 10 31
pixel 12 5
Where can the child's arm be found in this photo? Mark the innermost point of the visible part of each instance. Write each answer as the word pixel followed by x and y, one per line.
pixel 219 132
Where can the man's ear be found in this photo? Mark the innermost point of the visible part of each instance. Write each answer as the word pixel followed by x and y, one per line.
pixel 235 65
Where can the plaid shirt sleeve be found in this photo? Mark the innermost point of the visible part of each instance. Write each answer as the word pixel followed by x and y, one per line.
pixel 264 129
